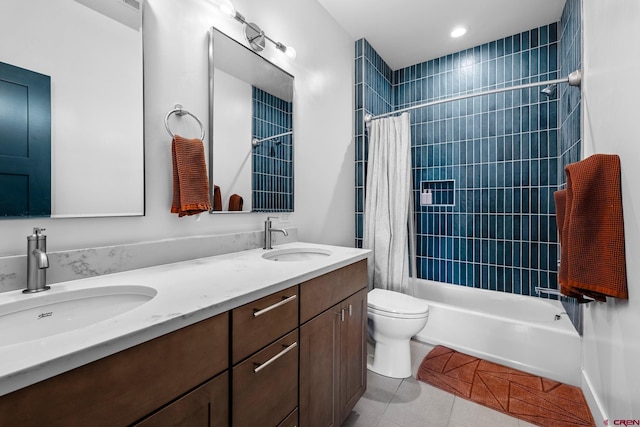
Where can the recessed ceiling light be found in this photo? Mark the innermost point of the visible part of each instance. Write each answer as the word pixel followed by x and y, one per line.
pixel 458 32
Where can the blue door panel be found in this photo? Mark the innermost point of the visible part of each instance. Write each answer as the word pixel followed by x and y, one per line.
pixel 14 194
pixel 25 142
pixel 14 119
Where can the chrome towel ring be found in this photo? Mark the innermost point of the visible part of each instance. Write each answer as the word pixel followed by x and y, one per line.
pixel 179 111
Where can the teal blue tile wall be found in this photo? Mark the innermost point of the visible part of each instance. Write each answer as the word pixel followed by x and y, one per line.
pixel 506 153
pixel 273 159
pixel 373 95
pixel 501 150
pixel 570 30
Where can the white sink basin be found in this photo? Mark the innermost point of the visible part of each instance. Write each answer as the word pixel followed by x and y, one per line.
pixel 31 317
pixel 296 254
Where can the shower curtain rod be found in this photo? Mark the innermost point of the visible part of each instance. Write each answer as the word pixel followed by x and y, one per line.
pixel 255 141
pixel 574 79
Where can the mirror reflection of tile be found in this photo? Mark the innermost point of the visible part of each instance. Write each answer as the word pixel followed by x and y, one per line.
pixel 272 159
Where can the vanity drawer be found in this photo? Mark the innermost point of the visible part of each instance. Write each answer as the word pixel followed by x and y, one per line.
pixel 317 295
pixel 263 321
pixel 265 386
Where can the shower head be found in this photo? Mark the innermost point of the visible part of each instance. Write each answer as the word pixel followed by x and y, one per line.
pixel 550 90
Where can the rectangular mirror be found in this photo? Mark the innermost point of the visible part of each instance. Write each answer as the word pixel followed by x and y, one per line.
pixel 251 129
pixel 91 52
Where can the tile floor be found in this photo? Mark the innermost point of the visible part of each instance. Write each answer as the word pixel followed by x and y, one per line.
pixel 390 402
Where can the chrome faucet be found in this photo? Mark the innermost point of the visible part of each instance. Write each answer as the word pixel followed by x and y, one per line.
pixel 37 262
pixel 268 230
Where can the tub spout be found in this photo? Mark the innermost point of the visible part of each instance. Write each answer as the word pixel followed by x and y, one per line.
pixel 559 315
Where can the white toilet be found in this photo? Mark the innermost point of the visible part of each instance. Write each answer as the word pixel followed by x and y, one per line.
pixel 393 319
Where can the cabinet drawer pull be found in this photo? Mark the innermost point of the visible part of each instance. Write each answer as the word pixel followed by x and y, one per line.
pixel 276 357
pixel 258 312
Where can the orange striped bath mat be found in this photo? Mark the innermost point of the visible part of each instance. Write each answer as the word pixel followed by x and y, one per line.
pixel 531 398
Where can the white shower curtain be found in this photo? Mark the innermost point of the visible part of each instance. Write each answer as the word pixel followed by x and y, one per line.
pixel 388 203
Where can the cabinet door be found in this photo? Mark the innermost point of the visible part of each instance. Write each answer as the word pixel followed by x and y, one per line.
pixel 291 420
pixel 319 369
pixel 353 352
pixel 206 406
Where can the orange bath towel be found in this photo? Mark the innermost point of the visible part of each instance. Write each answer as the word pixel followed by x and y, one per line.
pixel 591 228
pixel 235 202
pixel 190 182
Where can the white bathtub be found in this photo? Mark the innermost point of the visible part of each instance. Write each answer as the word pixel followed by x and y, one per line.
pixel 513 330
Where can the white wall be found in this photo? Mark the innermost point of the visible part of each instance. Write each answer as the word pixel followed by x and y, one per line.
pixel 175 49
pixel 611 112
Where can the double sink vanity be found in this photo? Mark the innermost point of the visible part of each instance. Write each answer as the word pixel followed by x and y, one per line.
pixel 269 338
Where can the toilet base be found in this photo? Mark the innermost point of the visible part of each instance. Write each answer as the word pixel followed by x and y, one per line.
pixel 392 360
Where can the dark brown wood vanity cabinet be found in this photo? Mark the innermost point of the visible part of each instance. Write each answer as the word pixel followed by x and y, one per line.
pixel 295 357
pixel 264 347
pixel 181 378
pixel 333 344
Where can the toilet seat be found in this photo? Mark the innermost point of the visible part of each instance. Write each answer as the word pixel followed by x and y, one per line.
pixel 395 304
pixel 397 315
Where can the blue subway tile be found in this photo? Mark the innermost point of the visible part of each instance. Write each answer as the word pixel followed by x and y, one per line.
pixel 553 32
pixel 516 43
pixel 359 44
pixel 543 34
pixel 478 142
pixel 533 38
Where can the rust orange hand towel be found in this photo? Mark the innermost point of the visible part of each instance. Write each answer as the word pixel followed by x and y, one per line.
pixel 235 202
pixel 190 183
pixel 592 230
pixel 217 198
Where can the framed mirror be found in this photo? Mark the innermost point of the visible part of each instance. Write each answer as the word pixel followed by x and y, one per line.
pixel 91 53
pixel 250 128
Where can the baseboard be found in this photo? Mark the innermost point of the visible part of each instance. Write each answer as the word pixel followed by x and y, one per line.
pixel 595 404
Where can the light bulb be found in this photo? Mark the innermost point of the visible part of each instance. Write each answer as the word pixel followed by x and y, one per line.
pixel 287 50
pixel 290 52
pixel 227 8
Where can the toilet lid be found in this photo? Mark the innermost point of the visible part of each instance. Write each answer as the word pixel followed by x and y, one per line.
pixel 395 302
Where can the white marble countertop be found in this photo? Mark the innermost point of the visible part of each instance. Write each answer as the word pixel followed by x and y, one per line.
pixel 187 292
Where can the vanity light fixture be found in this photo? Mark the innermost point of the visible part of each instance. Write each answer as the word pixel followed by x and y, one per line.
pixel 254 34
